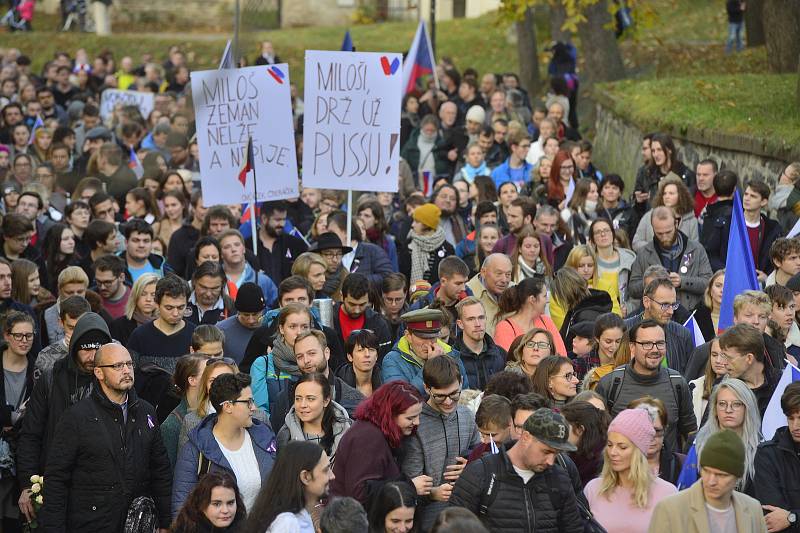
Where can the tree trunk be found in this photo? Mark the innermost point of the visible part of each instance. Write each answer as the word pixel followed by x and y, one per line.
pixel 558 14
pixel 602 58
pixel 782 17
pixel 528 54
pixel 754 23
pixel 797 97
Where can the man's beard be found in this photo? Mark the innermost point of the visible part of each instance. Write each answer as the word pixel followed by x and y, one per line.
pixel 272 232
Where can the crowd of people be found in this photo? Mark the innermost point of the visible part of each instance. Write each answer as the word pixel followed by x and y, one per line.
pixel 499 346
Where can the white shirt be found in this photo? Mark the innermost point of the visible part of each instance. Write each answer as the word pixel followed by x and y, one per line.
pixel 245 467
pixel 292 523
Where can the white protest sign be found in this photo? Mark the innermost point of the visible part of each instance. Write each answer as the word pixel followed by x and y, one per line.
pixel 112 97
pixel 232 105
pixel 351 127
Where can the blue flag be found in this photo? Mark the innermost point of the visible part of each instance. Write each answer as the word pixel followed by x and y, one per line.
pixel 690 472
pixel 347 43
pixel 740 269
pixel 39 123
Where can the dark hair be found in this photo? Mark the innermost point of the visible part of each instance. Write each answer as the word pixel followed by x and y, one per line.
pixel 292 283
pixel 329 416
pixel 381 408
pixel 528 402
pixel 74 206
pixel 98 198
pixel 607 321
pixel 204 334
pixel 73 307
pixel 210 269
pixel 391 496
pixel 600 220
pixel 668 145
pixel 713 164
pixel 283 491
pixel 110 263
pixel 452 265
pixel 457 520
pixel 633 333
pixel 760 188
pixel 98 232
pixel 137 225
pixel 339 218
pixel 192 516
pixel 744 338
pixel 377 213
pixel 441 372
pixel 187 366
pixel 615 180
pixel 269 208
pixel 15 224
pixel 16 317
pixel 173 286
pixel 363 337
pixel 355 285
pixel 343 515
pixel 547 368
pixel 484 208
pixel 487 190
pixel 790 399
pixel 202 242
pixel 494 409
pixel 55 259
pixel 140 194
pixel 527 204
pixel 394 281
pixel 227 389
pixel 725 182
pixel 513 298
pixel 594 423
pixel 508 384
pixel 215 213
pixel 36 195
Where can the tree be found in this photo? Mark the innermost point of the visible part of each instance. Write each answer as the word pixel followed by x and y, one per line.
pixel 528 52
pixel 603 60
pixel 782 17
pixel 754 23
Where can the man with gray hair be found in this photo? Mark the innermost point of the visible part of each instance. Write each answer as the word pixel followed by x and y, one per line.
pixel 488 284
pixel 546 223
pixel 344 515
pixel 687 264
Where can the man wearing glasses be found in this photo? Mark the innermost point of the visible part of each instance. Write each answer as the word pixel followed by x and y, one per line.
pixel 444 439
pixel 742 347
pixel 659 303
pixel 107 452
pixel 646 375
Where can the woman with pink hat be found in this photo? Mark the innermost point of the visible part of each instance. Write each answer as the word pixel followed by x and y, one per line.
pixel 624 496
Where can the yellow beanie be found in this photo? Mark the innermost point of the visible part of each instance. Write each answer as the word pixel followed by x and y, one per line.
pixel 428 214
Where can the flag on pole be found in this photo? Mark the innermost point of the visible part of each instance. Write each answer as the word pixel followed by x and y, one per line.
pixel 690 470
pixel 419 60
pixel 247 162
pixel 136 165
pixel 773 416
pixel 694 331
pixel 39 123
pixel 347 43
pixel 427 183
pixel 570 190
pixel 740 269
pixel 227 57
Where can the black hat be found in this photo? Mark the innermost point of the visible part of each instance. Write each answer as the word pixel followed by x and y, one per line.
pixel 329 241
pixel 250 298
pixel 92 340
pixel 99 132
pixel 583 329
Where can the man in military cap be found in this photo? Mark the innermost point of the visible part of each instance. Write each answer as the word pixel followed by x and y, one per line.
pixel 419 343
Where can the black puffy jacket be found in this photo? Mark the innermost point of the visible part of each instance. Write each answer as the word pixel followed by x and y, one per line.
pixel 100 462
pixel 777 477
pixel 546 504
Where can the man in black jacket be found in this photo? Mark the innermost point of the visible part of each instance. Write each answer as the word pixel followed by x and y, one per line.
pixel 106 453
pixel 522 489
pixel 717 221
pixel 64 385
pixel 277 250
pixel 355 313
pixel 777 468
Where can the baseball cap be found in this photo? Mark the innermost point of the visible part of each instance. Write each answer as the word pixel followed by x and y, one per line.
pixel 550 428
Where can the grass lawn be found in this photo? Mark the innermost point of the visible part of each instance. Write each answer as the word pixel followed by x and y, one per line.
pixel 756 105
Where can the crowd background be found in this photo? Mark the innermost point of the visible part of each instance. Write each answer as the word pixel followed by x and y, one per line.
pixel 512 311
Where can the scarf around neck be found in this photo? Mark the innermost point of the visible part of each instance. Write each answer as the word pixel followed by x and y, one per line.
pixel 283 356
pixel 421 247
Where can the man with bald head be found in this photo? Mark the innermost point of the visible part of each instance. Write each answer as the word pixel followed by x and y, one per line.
pixel 557 112
pixel 489 284
pixel 454 139
pixel 686 260
pixel 106 453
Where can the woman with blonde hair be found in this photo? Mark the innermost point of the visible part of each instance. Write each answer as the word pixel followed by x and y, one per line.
pixel 533 346
pixel 674 194
pixel 41 147
pixel 583 259
pixel 140 309
pixel 311 266
pixel 706 314
pixel 622 499
pixel 529 259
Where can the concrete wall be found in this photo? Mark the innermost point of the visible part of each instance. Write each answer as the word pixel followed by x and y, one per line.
pixel 318 12
pixel 617 148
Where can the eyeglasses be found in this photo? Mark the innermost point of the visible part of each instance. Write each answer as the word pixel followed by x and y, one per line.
pixel 19 337
pixel 357 331
pixel 735 405
pixel 394 300
pixel 537 345
pixel 569 168
pixel 441 398
pixel 666 305
pixel 648 345
pixel 601 232
pixel 249 401
pixel 218 359
pixel 569 376
pixel 118 366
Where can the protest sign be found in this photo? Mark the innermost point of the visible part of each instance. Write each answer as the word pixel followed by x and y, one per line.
pixel 351 128
pixel 231 106
pixel 112 97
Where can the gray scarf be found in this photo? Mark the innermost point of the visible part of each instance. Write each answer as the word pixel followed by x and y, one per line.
pixel 421 247
pixel 283 356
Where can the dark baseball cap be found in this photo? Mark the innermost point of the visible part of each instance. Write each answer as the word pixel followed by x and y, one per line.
pixel 549 428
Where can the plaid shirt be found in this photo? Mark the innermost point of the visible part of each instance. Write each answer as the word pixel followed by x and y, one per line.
pixel 582 364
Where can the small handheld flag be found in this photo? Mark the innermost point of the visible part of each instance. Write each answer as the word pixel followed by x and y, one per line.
pixel 39 123
pixel 227 58
pixel 247 162
pixel 773 416
pixel 694 330
pixel 347 43
pixel 135 164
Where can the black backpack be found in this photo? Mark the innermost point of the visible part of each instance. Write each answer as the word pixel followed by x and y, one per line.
pixel 618 378
pixel 596 304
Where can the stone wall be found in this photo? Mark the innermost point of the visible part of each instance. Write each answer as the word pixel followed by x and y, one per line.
pixel 318 13
pixel 617 147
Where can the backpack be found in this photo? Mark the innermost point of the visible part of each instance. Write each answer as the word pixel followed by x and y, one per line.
pixel 596 304
pixel 676 380
pixel 142 517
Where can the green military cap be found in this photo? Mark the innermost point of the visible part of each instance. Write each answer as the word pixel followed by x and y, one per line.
pixel 425 323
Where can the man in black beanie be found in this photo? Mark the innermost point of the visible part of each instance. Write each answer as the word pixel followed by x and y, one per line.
pixel 238 329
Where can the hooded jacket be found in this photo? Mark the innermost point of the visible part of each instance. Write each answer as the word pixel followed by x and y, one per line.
pixel 439 439
pixel 58 388
pixel 777 474
pixel 293 428
pixel 202 441
pixel 402 364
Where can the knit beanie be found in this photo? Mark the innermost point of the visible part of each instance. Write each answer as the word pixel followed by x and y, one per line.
pixel 428 214
pixel 250 298
pixel 724 450
pixel 477 114
pixel 635 424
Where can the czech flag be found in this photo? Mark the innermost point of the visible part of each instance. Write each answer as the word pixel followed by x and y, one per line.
pixel 740 269
pixel 247 164
pixel 136 165
pixel 694 330
pixel 773 416
pixel 419 61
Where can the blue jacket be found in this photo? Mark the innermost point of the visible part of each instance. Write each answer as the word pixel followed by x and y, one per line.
pixel 201 440
pixel 372 261
pixel 502 173
pixel 399 364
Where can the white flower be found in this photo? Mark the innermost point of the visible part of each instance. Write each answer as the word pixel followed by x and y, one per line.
pixel 36 479
pixel 39 499
pixel 36 488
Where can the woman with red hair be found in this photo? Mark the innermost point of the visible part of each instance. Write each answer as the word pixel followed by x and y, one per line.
pixel 367 454
pixel 562 174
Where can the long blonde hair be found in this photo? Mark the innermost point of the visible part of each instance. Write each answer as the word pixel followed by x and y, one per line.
pixel 577 253
pixel 639 473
